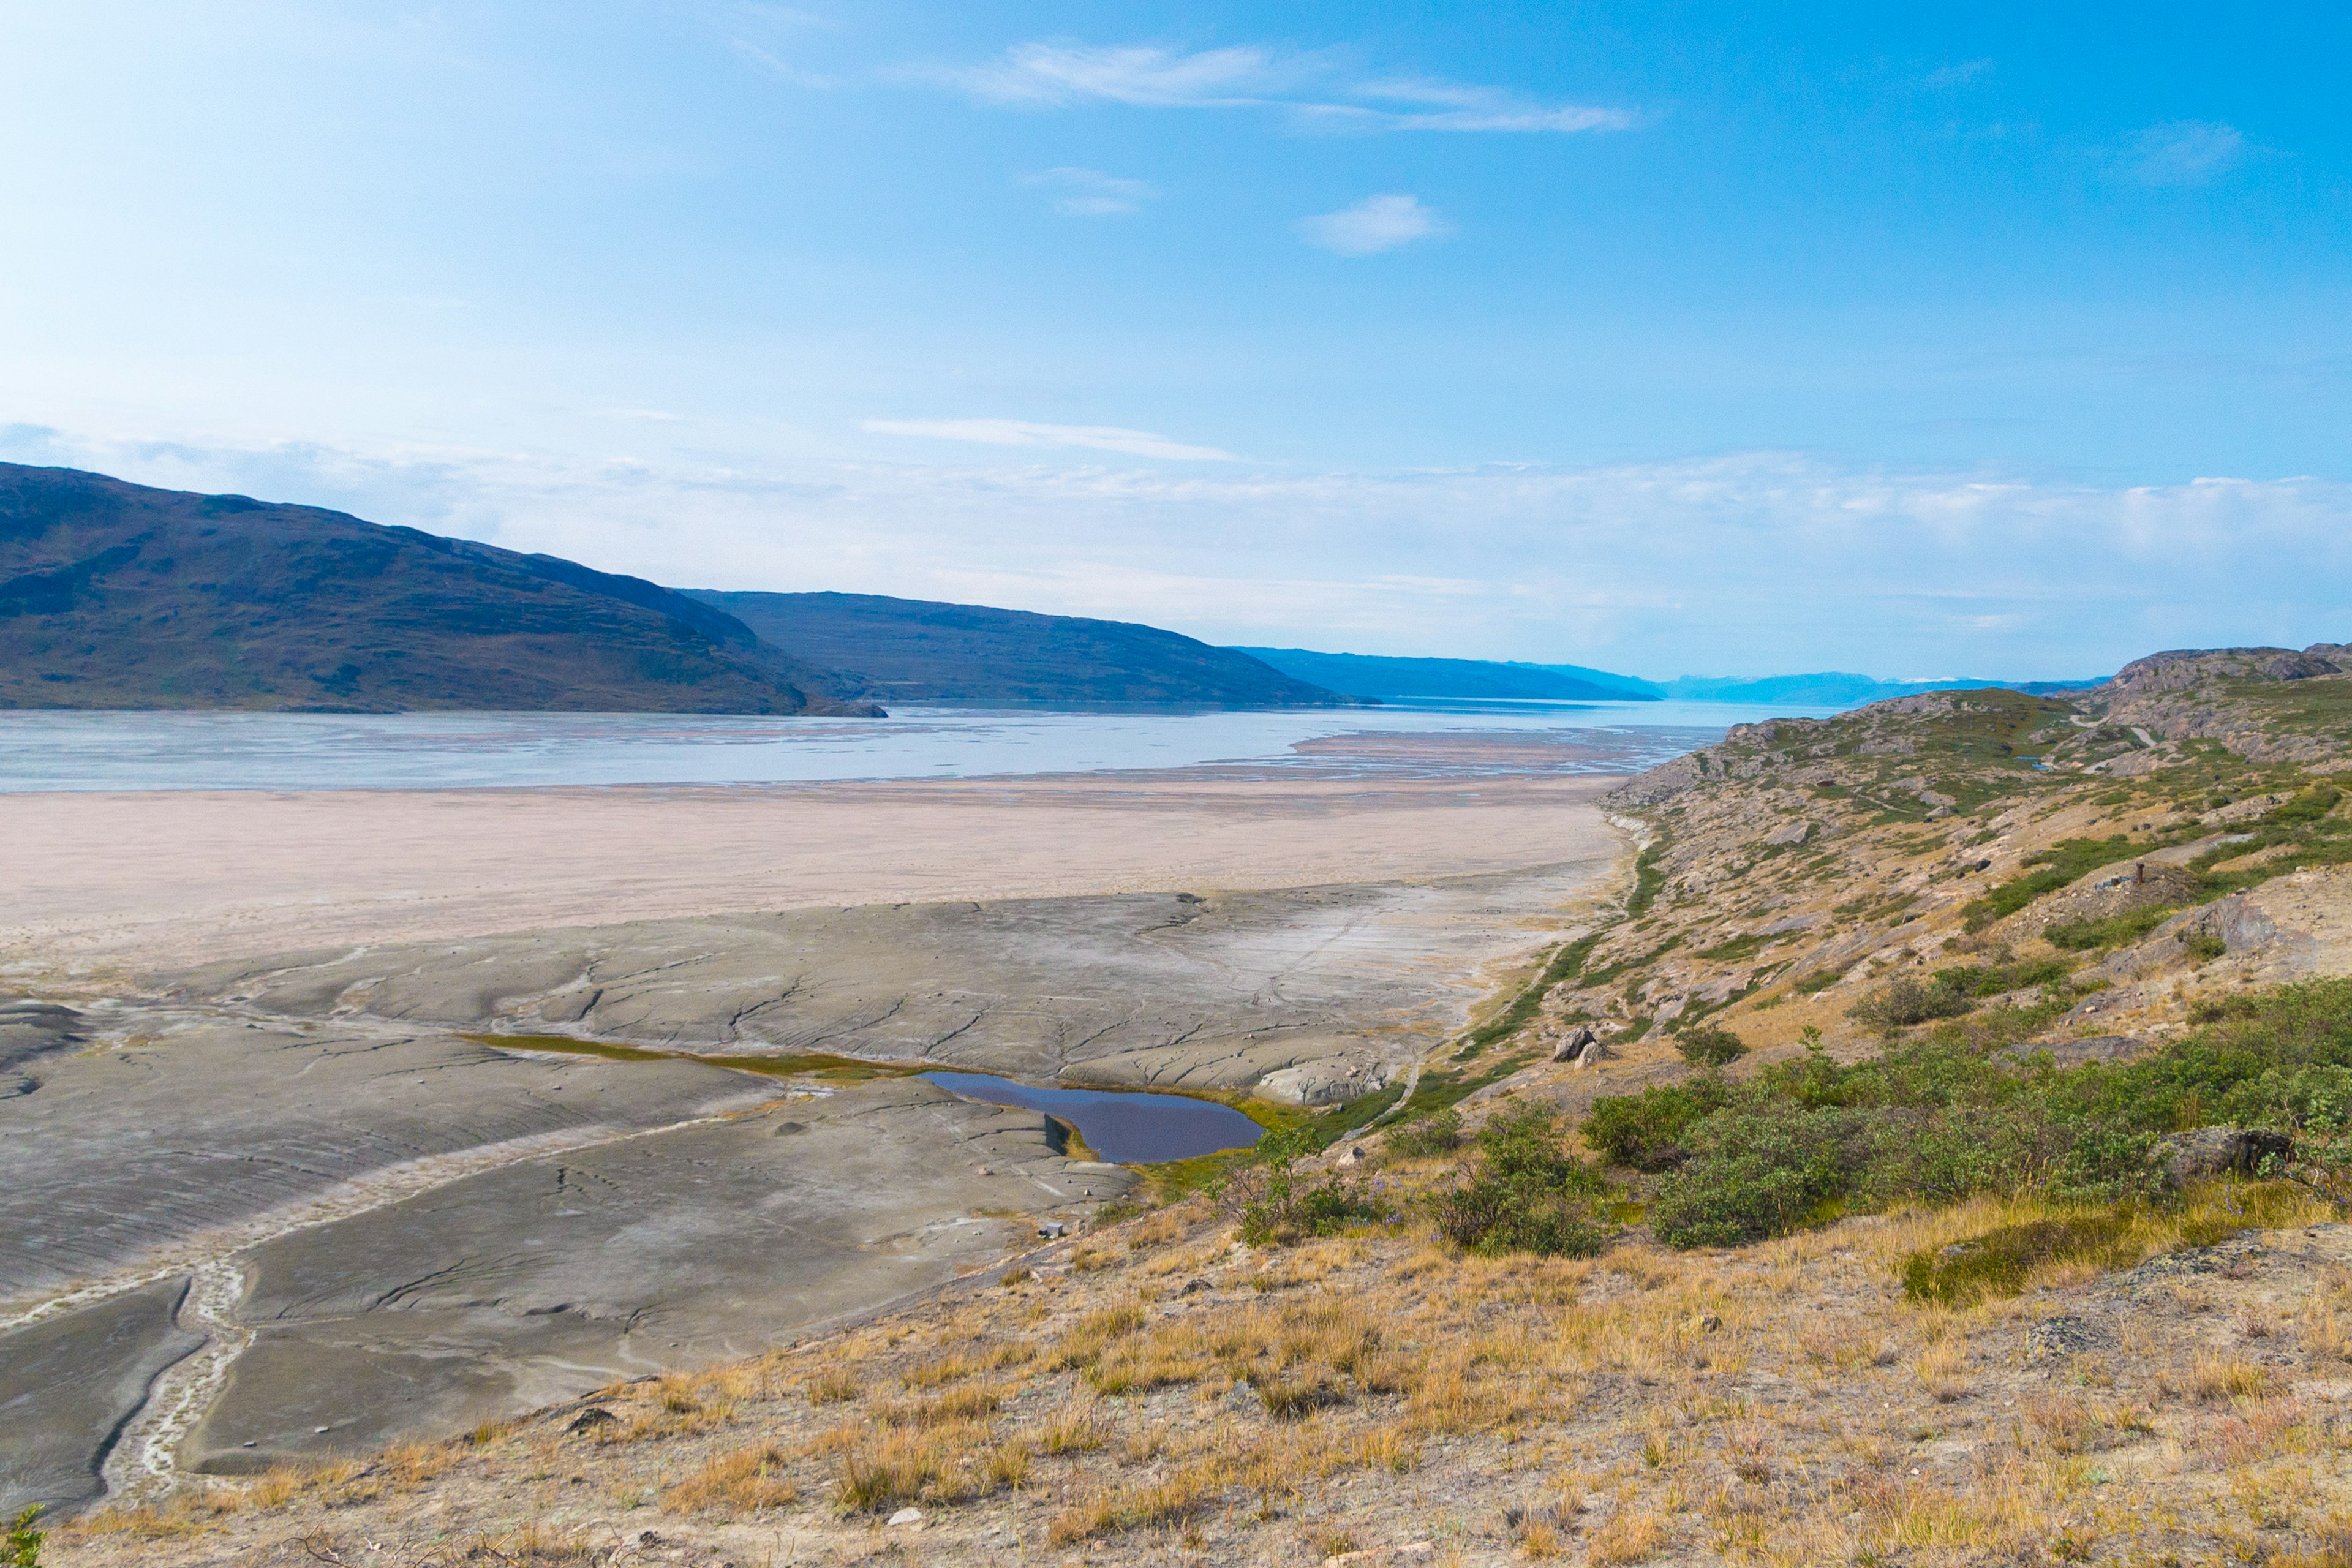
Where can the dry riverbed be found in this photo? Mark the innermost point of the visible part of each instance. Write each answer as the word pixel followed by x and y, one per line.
pixel 262 1199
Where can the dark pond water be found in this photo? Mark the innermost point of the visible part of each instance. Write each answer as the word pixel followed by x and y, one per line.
pixel 1129 1128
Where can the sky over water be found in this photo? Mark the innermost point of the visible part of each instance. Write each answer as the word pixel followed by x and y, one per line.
pixel 1725 340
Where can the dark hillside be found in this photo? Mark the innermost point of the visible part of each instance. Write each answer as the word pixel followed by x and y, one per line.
pixel 912 649
pixel 117 595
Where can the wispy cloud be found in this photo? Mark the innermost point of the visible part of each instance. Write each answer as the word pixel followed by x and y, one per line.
pixel 1374 225
pixel 1026 433
pixel 2185 152
pixel 1960 74
pixel 1754 561
pixel 1089 193
pixel 1311 88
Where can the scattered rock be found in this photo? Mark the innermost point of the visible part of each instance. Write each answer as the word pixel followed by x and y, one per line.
pixel 588 1420
pixel 906 1516
pixel 1593 1054
pixel 1790 832
pixel 2218 1151
pixel 1576 1041
pixel 1194 1287
pixel 2067 1336
pixel 1354 1155
pixel 1241 1399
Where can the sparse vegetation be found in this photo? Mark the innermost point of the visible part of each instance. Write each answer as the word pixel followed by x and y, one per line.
pixel 1528 1194
pixel 1709 1046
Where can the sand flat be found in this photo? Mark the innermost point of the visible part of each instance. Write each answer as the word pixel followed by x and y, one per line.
pixel 144 881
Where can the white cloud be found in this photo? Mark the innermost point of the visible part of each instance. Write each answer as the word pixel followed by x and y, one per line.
pixel 1025 432
pixel 1089 193
pixel 2186 152
pixel 1040 74
pixel 1310 87
pixel 1373 224
pixel 1756 562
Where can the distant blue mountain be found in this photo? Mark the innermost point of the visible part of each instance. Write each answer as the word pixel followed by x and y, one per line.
pixel 1371 674
pixel 1835 689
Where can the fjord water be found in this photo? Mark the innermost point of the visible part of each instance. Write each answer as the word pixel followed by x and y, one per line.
pixel 1124 1127
pixel 44 751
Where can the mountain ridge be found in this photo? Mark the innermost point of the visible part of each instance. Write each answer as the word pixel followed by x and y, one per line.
pixel 120 595
pixel 931 650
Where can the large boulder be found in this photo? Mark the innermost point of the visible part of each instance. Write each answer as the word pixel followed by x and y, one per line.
pixel 2207 1152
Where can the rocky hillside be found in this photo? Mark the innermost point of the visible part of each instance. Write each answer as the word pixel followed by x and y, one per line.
pixel 117 595
pixel 1932 1156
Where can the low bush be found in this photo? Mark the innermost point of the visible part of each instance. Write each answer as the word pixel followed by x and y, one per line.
pixel 1437 1134
pixel 1644 1131
pixel 1278 1208
pixel 20 1546
pixel 1947 1117
pixel 2114 930
pixel 1710 1045
pixel 1906 1000
pixel 1529 1194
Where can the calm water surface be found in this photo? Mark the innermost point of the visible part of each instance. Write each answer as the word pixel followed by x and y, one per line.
pixel 1126 1128
pixel 60 751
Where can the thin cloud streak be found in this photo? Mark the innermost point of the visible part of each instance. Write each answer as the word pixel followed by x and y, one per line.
pixel 1040 75
pixel 1025 432
pixel 1090 192
pixel 2186 153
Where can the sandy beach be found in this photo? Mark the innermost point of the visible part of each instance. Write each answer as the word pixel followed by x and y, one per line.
pixel 131 882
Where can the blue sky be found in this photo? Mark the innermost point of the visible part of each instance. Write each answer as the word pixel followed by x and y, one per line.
pixel 2005 340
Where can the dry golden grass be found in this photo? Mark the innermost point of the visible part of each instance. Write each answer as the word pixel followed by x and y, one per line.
pixel 744 1481
pixel 1627 1537
pixel 2214 1379
pixel 831 1388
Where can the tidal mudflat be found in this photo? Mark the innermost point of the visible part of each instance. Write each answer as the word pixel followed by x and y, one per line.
pixel 282 1175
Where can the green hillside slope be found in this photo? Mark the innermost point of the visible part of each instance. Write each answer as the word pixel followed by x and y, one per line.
pixel 117 595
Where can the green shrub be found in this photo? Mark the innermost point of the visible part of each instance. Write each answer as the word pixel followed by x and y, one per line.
pixel 1997 1262
pixel 2061 862
pixel 1906 1000
pixel 1277 1209
pixel 1757 1170
pixel 2309 806
pixel 1437 1134
pixel 21 1546
pixel 1529 1194
pixel 1710 1045
pixel 2078 936
pixel 1644 1131
pixel 1942 1118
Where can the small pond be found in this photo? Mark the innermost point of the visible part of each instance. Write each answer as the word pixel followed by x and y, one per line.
pixel 1126 1127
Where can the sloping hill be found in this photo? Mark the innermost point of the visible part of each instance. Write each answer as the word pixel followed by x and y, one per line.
pixel 910 649
pixel 1371 674
pixel 117 595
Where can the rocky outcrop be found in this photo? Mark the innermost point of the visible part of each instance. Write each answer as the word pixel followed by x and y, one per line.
pixel 2217 1152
